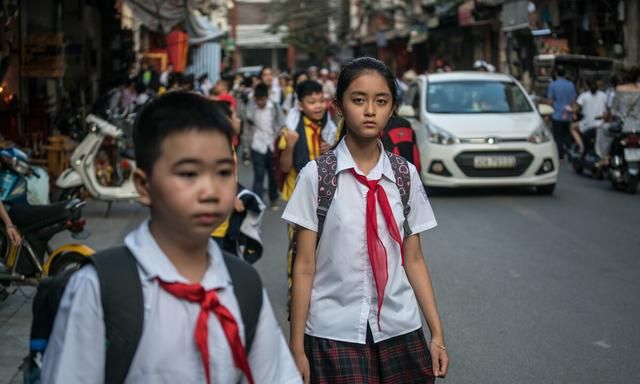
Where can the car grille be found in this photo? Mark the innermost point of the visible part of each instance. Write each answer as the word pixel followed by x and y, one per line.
pixel 465 162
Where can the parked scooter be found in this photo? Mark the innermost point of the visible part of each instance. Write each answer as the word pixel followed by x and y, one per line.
pixel 33 259
pixel 624 166
pixel 589 159
pixel 82 173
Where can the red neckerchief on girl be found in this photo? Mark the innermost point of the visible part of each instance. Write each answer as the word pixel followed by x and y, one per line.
pixel 209 301
pixel 315 137
pixel 377 251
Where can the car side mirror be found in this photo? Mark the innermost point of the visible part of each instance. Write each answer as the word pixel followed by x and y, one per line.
pixel 407 111
pixel 545 109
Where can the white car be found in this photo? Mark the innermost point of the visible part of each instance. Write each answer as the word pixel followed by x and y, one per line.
pixel 480 129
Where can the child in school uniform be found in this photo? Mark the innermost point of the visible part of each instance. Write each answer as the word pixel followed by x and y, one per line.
pixel 193 330
pixel 357 289
pixel 305 138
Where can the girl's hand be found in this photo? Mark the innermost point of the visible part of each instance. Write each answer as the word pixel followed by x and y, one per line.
pixel 439 358
pixel 303 366
pixel 14 235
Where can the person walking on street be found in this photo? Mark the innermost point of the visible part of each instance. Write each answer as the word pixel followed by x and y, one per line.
pixel 360 273
pixel 561 94
pixel 266 119
pixel 193 320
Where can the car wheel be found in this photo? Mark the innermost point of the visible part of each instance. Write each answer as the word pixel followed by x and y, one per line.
pixel 545 189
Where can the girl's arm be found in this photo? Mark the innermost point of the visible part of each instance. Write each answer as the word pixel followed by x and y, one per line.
pixel 418 275
pixel 304 270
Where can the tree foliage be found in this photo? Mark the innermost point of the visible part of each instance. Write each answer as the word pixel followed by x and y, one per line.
pixel 307 23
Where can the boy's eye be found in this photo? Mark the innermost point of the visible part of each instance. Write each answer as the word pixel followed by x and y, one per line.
pixel 187 174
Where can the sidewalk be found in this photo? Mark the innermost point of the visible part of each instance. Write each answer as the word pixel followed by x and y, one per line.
pixel 15 312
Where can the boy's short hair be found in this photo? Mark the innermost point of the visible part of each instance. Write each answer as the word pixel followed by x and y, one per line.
pixel 170 113
pixel 308 87
pixel 262 90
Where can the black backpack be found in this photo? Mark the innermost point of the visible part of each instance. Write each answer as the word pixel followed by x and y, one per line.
pixel 122 304
pixel 398 138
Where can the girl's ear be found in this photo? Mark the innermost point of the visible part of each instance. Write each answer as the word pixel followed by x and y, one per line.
pixel 141 182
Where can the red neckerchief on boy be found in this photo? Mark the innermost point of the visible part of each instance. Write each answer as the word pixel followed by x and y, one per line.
pixel 209 301
pixel 377 251
pixel 315 136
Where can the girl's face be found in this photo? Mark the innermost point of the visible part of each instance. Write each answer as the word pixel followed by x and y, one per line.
pixel 367 105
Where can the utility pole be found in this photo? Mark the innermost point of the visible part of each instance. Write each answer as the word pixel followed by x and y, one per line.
pixel 234 35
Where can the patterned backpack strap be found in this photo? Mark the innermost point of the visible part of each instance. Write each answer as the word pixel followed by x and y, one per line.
pixel 403 182
pixel 327 183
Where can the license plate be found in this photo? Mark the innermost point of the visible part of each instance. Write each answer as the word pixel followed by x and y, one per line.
pixel 632 154
pixel 494 162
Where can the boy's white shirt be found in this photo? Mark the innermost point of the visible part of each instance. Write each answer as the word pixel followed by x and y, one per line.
pixel 343 299
pixel 167 351
pixel 264 131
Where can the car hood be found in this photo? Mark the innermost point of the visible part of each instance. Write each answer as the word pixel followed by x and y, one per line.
pixel 475 125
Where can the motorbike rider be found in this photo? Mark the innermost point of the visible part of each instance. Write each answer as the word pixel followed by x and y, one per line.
pixel 625 105
pixel 593 106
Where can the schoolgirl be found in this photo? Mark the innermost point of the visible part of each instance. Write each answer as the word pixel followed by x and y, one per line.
pixel 358 287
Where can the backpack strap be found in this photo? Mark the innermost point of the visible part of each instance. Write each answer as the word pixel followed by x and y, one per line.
pixel 247 286
pixel 327 183
pixel 403 182
pixel 123 307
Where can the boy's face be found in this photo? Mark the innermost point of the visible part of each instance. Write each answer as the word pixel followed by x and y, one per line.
pixel 261 102
pixel 313 106
pixel 192 186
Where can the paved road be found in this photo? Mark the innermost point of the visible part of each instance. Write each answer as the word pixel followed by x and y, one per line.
pixel 530 288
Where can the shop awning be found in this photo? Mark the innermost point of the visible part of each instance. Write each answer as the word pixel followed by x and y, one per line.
pixel 164 15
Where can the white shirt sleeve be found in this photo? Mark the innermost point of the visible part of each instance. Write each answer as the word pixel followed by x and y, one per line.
pixel 582 98
pixel 270 359
pixel 76 349
pixel 302 206
pixel 421 217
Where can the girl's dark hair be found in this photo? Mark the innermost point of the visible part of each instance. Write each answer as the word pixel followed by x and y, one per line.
pixel 170 113
pixel 297 75
pixel 356 68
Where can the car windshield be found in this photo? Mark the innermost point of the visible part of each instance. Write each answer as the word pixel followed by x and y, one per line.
pixel 476 97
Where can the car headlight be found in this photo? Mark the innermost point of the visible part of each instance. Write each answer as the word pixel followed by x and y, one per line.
pixel 440 136
pixel 541 135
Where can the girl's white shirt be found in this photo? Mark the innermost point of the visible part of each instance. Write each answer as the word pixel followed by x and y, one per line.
pixel 343 298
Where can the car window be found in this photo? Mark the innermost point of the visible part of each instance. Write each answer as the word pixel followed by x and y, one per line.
pixel 476 97
pixel 412 97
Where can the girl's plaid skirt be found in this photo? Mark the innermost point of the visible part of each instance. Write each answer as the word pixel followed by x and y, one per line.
pixel 402 359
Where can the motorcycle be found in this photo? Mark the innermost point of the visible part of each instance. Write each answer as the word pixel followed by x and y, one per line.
pixel 33 259
pixel 589 159
pixel 21 182
pixel 84 172
pixel 624 165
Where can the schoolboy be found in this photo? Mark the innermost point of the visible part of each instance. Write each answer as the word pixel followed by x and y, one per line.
pixel 300 144
pixel 186 177
pixel 312 136
pixel 266 119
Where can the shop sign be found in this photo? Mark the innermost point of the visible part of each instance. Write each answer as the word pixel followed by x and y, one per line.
pixel 550 45
pixel 43 55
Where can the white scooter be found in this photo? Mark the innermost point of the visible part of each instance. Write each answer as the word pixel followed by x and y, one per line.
pixel 83 168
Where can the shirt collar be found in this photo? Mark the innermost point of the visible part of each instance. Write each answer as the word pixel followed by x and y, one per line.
pixel 345 161
pixel 155 264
